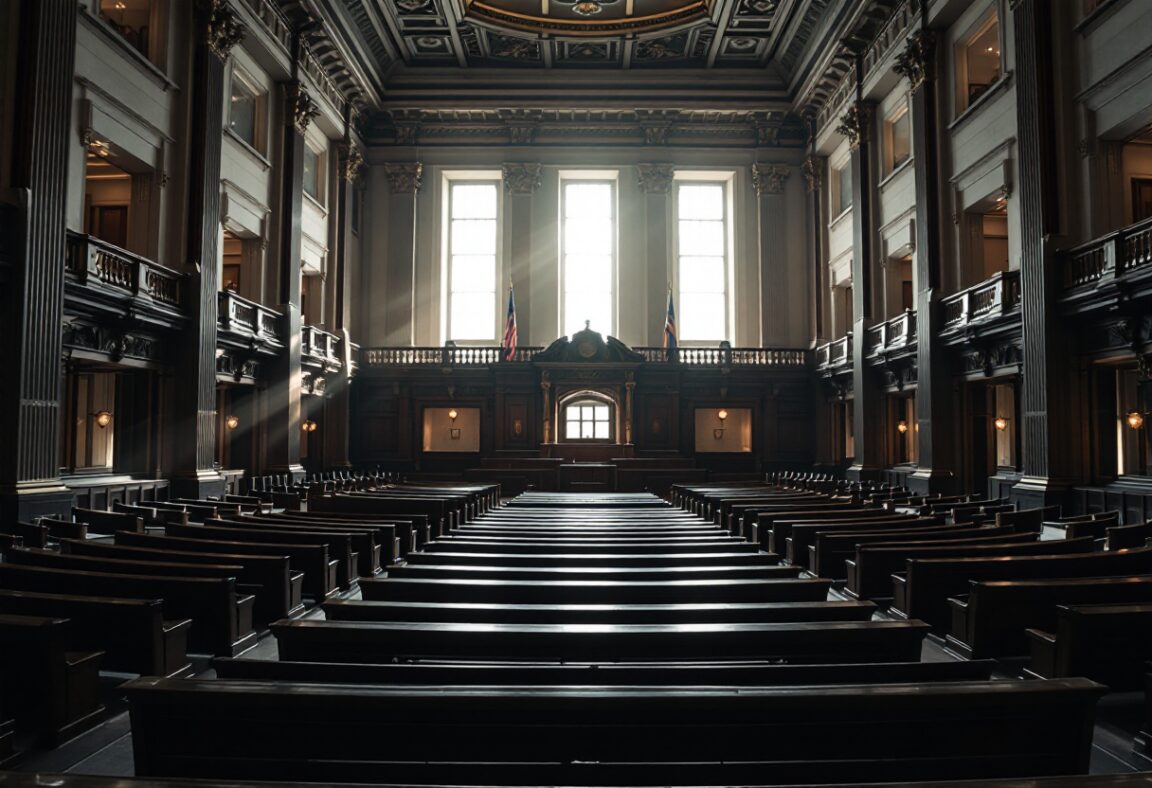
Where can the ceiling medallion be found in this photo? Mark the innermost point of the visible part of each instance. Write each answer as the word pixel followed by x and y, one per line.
pixel 587 8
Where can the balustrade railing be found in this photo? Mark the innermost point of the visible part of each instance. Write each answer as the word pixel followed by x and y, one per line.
pixel 836 103
pixel 484 356
pixel 1109 257
pixel 835 353
pixel 318 343
pixel 893 334
pixel 993 297
pixel 239 314
pixel 88 258
pixel 891 35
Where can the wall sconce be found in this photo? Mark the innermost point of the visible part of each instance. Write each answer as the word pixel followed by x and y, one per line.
pixel 902 426
pixel 309 425
pixel 103 418
pixel 232 422
pixel 1000 423
pixel 452 414
pixel 1135 419
pixel 722 415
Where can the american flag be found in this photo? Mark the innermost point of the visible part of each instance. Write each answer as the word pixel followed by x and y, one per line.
pixel 670 343
pixel 509 342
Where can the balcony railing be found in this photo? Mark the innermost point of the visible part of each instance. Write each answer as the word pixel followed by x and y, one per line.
pixel 319 344
pixel 894 334
pixel 484 356
pixel 835 353
pixel 244 316
pixel 994 297
pixel 90 259
pixel 890 36
pixel 1110 257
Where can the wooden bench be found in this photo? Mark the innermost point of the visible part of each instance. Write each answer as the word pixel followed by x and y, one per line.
pixel 413 530
pixel 804 536
pixel 477 613
pixel 1106 643
pixel 646 574
pixel 443 515
pixel 364 543
pixel 1124 537
pixel 870 571
pixel 133 633
pixel 319 581
pixel 63 529
pixel 577 546
pixel 30 535
pixel 639 674
pixel 923 590
pixel 829 555
pixel 573 592
pixel 609 735
pixel 990 621
pixel 101 522
pixel 773 530
pixel 279 587
pixel 156 518
pixel 594 559
pixel 50 690
pixel 222 619
pixel 1028 519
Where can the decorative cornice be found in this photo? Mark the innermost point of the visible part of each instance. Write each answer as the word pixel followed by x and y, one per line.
pixel 813 170
pixel 918 60
pixel 769 178
pixel 522 178
pixel 656 135
pixel 351 161
pixel 404 178
pixel 854 123
pixel 655 178
pixel 299 106
pixel 224 28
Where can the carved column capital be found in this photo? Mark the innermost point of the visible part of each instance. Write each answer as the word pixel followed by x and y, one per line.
pixel 657 134
pixel 224 28
pixel 299 107
pixel 351 161
pixel 855 123
pixel 404 178
pixel 813 170
pixel 917 61
pixel 522 178
pixel 769 178
pixel 655 178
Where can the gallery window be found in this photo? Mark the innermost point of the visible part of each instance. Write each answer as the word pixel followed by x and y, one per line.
pixel 897 138
pixel 588 249
pixel 979 57
pixel 244 110
pixel 473 210
pixel 588 420
pixel 702 243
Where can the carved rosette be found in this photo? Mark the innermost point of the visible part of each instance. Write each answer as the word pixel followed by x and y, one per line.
pixel 917 60
pixel 769 179
pixel 854 123
pixel 404 178
pixel 224 29
pixel 351 162
pixel 655 178
pixel 522 178
pixel 299 106
pixel 813 170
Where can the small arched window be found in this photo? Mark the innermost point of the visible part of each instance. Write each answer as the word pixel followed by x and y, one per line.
pixel 588 419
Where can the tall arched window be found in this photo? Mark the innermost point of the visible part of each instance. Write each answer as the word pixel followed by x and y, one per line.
pixel 589 419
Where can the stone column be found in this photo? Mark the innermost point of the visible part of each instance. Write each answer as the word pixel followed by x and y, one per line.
pixel 656 182
pixel 400 260
pixel 1052 450
pixel 813 169
pixel 768 181
pixel 217 31
pixel 32 298
pixel 867 417
pixel 285 414
pixel 520 183
pixel 935 407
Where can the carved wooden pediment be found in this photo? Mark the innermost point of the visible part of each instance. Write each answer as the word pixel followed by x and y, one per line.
pixel 588 346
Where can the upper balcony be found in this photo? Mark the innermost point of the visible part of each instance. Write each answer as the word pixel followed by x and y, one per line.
pixel 896 335
pixel 693 357
pixel 246 324
pixel 989 307
pixel 321 348
pixel 105 279
pixel 1096 274
pixel 835 356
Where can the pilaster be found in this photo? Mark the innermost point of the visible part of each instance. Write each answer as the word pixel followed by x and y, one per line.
pixel 404 181
pixel 769 182
pixel 521 181
pixel 655 181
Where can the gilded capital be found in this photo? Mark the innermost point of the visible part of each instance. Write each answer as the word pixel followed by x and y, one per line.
pixel 813 170
pixel 299 107
pixel 917 61
pixel 854 123
pixel 404 178
pixel 522 178
pixel 769 178
pixel 351 161
pixel 223 29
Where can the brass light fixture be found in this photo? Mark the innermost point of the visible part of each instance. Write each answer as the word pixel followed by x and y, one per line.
pixel 103 418
pixel 722 415
pixel 309 425
pixel 902 426
pixel 1000 423
pixel 1135 419
pixel 718 432
pixel 452 414
pixel 232 422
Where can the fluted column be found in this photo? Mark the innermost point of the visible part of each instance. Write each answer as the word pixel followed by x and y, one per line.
pixel 1053 451
pixel 404 180
pixel 935 401
pixel 285 414
pixel 813 169
pixel 33 295
pixel 867 417
pixel 769 181
pixel 655 181
pixel 217 31
pixel 521 180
